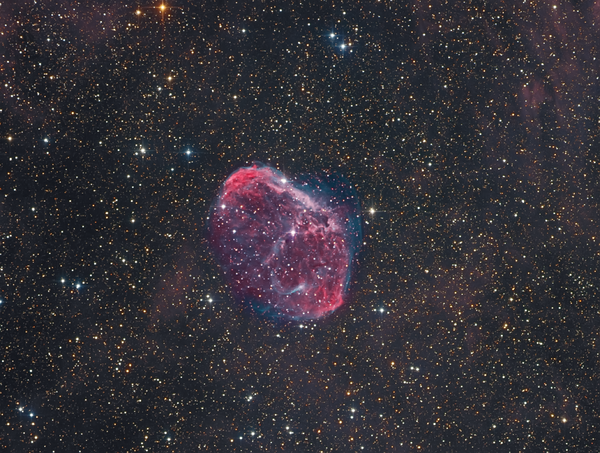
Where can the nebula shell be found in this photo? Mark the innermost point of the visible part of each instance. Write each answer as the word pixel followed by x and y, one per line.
pixel 286 246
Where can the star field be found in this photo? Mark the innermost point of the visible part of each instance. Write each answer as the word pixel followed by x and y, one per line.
pixel 470 133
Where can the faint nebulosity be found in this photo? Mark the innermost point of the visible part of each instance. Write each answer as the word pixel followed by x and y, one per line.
pixel 466 140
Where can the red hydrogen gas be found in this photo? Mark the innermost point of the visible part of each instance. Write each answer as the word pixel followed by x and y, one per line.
pixel 286 246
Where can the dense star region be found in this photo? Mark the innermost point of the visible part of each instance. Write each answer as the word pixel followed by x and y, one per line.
pixel 468 134
pixel 286 246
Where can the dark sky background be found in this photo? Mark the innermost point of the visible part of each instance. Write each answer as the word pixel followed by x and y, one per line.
pixel 470 131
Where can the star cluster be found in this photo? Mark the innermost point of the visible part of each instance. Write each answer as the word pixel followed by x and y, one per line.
pixel 470 132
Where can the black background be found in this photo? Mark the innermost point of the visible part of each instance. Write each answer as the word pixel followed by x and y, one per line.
pixel 470 131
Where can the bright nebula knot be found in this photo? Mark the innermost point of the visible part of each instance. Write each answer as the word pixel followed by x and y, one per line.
pixel 286 245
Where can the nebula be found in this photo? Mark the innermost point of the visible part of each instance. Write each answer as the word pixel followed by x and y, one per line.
pixel 286 246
